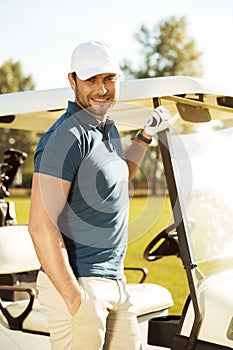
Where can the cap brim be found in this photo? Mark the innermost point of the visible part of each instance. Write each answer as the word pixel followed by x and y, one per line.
pixel 85 74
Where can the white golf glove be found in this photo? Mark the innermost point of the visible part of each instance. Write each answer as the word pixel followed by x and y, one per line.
pixel 160 119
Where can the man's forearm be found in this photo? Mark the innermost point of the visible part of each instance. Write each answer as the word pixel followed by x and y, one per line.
pixel 135 153
pixel 53 257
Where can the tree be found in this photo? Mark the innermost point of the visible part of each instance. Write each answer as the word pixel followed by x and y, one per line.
pixel 166 50
pixel 12 79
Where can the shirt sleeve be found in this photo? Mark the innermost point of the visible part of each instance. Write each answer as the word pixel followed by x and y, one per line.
pixel 58 154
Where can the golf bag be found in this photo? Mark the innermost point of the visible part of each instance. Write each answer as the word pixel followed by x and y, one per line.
pixel 13 159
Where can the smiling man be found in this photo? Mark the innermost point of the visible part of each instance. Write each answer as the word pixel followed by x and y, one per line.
pixel 79 211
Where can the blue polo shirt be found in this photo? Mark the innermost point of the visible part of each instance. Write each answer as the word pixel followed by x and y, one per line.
pixel 95 218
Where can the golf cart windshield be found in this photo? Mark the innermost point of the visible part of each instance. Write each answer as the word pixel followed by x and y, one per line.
pixel 201 155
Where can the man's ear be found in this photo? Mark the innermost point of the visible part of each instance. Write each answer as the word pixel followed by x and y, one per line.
pixel 72 81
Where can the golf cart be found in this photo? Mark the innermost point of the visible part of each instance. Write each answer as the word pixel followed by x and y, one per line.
pixel 196 155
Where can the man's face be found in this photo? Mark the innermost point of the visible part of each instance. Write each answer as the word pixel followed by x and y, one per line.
pixel 96 94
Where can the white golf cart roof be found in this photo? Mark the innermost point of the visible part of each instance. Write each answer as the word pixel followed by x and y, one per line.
pixel 37 110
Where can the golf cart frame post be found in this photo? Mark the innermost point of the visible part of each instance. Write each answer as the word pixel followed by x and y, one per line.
pixel 181 227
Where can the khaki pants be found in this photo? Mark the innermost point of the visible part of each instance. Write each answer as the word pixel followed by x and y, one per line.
pixel 105 320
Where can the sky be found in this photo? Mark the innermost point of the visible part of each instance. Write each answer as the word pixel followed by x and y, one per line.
pixel 42 34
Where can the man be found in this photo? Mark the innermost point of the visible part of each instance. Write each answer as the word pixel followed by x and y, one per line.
pixel 79 211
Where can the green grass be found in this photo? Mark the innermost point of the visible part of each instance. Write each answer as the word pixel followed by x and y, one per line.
pixel 148 216
pixel 22 204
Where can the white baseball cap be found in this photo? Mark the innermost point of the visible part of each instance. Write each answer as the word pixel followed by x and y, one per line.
pixel 92 58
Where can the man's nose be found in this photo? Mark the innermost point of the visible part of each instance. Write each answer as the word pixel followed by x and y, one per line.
pixel 101 88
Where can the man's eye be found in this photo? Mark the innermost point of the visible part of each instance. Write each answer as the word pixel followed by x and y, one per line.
pixel 91 80
pixel 112 77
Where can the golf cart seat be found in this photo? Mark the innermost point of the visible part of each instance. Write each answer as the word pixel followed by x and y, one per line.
pixel 17 256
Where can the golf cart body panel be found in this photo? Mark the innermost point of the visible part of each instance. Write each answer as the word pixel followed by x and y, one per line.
pixel 196 154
